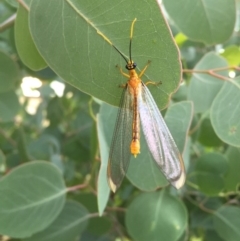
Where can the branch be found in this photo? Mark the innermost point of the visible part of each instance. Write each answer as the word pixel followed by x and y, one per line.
pixel 117 209
pixel 9 139
pixel 200 205
pixel 77 187
pixel 213 73
pixel 8 22
pixel 21 2
pixel 210 71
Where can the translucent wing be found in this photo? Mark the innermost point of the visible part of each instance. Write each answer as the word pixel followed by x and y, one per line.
pixel 159 140
pixel 120 155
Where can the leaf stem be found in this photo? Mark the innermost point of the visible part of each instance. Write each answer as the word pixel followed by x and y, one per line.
pixel 8 23
pixel 209 71
pixel 200 205
pixel 117 209
pixel 77 187
pixel 21 2
pixel 213 73
pixel 9 139
pixel 95 215
pixel 90 102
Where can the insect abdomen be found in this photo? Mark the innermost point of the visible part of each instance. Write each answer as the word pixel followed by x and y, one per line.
pixel 135 143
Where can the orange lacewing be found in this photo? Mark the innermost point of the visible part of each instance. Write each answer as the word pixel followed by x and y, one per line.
pixel 138 106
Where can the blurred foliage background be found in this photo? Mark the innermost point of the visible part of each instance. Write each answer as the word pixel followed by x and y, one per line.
pixel 57 79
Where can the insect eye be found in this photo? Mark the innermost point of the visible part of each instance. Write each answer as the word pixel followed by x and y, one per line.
pixel 126 66
pixel 134 65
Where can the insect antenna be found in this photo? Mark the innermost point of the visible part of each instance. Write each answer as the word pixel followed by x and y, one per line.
pixel 130 44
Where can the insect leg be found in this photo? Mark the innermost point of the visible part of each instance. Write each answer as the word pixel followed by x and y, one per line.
pixel 144 69
pixel 153 83
pixel 121 71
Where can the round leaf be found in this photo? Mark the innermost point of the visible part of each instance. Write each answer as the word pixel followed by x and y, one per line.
pixel 209 184
pixel 226 221
pixel 203 83
pixel 97 225
pixel 232 178
pixel 32 196
pixel 24 43
pixel 212 236
pixel 210 170
pixel 178 119
pixel 13 3
pixel 204 23
pixel 156 216
pixel 43 147
pixel 66 34
pixel 214 163
pixel 70 223
pixel 207 135
pixel 232 55
pixel 225 113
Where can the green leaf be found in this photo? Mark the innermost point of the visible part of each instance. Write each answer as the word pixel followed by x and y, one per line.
pixel 44 147
pixel 187 153
pixel 225 113
pixel 200 219
pixel 104 140
pixel 178 119
pixel 226 222
pixel 20 138
pixel 9 73
pixel 57 160
pixel 32 196
pixel 181 93
pixel 13 3
pixel 212 162
pixel 212 236
pixel 70 223
pixel 66 35
pixel 77 146
pixel 232 178
pixel 9 106
pixel 209 184
pixel 203 87
pixel 156 216
pixel 97 225
pixel 232 55
pixel 94 140
pixel 200 21
pixel 207 135
pixel 25 46
pixel 210 170
pixel 55 111
pixel 5 12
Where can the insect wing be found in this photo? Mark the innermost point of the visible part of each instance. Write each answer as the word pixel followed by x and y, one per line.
pixel 159 140
pixel 120 155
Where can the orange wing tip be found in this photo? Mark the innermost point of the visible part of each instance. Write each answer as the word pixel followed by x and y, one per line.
pixel 113 187
pixel 180 182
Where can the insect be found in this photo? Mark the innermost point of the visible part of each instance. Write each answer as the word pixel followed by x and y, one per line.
pixel 138 106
